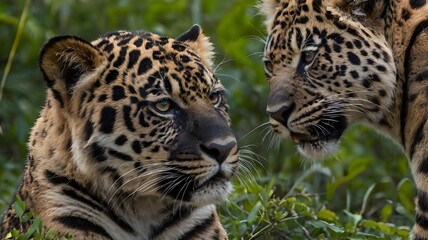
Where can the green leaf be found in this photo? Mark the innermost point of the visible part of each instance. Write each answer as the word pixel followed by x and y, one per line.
pixel 406 194
pixel 354 172
pixel 9 234
pixel 327 215
pixel 354 219
pixel 326 225
pixel 50 234
pixel 254 211
pixel 386 212
pixel 19 206
pixel 366 198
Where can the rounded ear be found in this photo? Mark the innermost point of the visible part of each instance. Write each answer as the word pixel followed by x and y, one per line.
pixel 64 61
pixel 200 43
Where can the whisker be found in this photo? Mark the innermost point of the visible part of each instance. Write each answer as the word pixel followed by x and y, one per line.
pixel 261 125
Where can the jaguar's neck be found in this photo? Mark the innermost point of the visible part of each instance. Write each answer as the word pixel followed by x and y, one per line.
pixel 406 114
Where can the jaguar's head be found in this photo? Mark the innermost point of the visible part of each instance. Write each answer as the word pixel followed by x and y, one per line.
pixel 327 68
pixel 146 113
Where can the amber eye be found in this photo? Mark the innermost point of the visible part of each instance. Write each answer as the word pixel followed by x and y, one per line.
pixel 163 105
pixel 308 56
pixel 215 99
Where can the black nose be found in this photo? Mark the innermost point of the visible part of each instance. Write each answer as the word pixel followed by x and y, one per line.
pixel 219 152
pixel 282 114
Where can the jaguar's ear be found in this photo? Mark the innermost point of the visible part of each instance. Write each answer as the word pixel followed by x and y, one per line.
pixel 200 43
pixel 269 8
pixel 364 11
pixel 65 61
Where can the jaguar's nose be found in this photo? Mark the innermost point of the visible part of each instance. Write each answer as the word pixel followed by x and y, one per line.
pixel 219 150
pixel 281 113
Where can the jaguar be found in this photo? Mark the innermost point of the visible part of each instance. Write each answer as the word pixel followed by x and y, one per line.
pixel 134 140
pixel 333 63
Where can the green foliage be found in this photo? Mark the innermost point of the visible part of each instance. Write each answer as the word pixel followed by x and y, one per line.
pixel 363 192
pixel 35 230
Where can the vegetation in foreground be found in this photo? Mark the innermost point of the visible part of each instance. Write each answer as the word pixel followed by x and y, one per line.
pixel 364 192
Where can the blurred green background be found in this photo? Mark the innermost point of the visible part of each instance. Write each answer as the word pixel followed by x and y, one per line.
pixel 364 192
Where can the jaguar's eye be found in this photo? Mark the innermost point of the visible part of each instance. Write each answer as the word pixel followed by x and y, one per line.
pixel 268 66
pixel 163 105
pixel 215 99
pixel 308 56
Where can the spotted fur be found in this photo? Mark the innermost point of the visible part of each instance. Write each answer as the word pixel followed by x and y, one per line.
pixel 331 64
pixel 134 141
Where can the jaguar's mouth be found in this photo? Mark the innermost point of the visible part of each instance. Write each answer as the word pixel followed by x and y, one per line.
pixel 299 138
pixel 218 178
pixel 320 140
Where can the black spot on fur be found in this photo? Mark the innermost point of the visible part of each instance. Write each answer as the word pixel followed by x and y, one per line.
pixel 121 140
pixel 145 65
pixel 316 5
pixel 120 155
pixel 354 74
pixel 185 59
pixel 423 168
pixel 108 117
pixel 138 42
pixel 133 57
pixel 121 58
pixel 381 68
pixel 337 48
pixel 102 97
pixel 148 45
pixel 353 58
pixel 89 130
pixel 302 20
pixel 108 48
pixel 405 15
pixel 423 200
pixel 367 83
pixel 118 93
pixel 336 37
pixel 136 146
pixel 358 44
pixel 349 45
pixel 98 153
pixel 111 76
pixel 178 47
pixel 417 3
pixel 142 121
pixel 422 76
pixel 127 117
pixel 124 41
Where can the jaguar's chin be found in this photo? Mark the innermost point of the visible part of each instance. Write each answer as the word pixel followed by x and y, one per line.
pixel 316 150
pixel 321 142
pixel 213 191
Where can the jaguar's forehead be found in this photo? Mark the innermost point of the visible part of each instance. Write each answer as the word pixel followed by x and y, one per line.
pixel 157 66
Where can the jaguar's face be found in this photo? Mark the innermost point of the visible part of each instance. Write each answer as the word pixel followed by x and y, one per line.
pixel 175 119
pixel 324 73
pixel 150 115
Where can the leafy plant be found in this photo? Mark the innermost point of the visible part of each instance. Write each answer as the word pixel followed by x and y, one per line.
pixel 364 192
pixel 35 230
